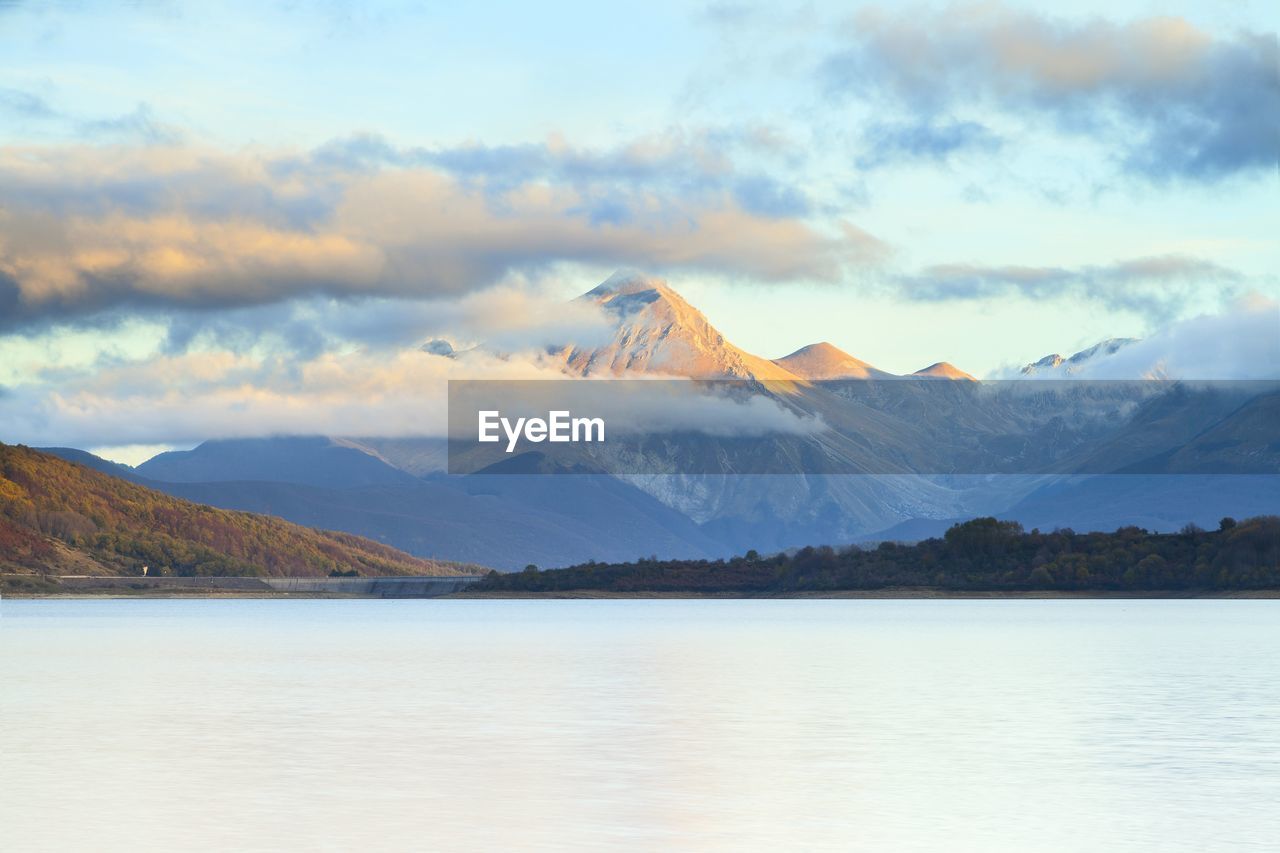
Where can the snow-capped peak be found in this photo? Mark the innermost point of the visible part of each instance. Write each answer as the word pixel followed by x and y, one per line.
pixel 1054 364
pixel 659 332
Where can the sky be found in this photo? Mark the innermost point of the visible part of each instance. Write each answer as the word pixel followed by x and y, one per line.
pixel 241 218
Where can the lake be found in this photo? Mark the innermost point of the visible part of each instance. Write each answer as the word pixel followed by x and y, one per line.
pixel 690 725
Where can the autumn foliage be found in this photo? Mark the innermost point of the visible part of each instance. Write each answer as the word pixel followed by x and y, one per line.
pixel 60 517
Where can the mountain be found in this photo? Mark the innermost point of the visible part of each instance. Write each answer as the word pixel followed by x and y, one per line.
pixel 416 456
pixel 313 460
pixel 884 455
pixel 943 370
pixel 1054 365
pixel 1157 502
pixel 1188 455
pixel 97 463
pixel 503 522
pixel 547 520
pixel 1242 442
pixel 888 452
pixel 658 332
pixel 897 456
pixel 824 361
pixel 62 517
pixel 1161 420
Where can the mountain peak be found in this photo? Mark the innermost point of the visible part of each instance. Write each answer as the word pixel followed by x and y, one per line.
pixel 826 361
pixel 657 331
pixel 625 293
pixel 626 282
pixel 1055 363
pixel 943 370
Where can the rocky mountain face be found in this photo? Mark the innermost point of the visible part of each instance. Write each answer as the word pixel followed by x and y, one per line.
pixel 658 332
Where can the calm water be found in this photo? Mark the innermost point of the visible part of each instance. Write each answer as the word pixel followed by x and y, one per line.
pixel 699 725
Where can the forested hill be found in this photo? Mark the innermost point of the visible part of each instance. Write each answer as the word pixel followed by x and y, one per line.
pixel 59 517
pixel 979 555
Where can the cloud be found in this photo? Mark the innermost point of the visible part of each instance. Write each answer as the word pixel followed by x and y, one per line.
pixel 140 125
pixel 764 196
pixel 1155 286
pixel 686 163
pixel 189 397
pixel 1240 343
pixel 1168 99
pixel 513 318
pixel 25 104
pixel 729 14
pixel 88 229
pixel 886 142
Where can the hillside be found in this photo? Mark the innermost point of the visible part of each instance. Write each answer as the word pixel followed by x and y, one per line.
pixel 58 517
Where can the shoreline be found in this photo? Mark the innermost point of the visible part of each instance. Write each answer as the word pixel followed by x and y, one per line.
pixel 901 594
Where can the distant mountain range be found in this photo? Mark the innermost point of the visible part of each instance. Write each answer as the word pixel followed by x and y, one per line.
pixel 657 332
pixel 895 460
pixel 504 522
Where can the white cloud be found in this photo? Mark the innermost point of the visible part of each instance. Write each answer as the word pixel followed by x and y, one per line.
pixel 1241 343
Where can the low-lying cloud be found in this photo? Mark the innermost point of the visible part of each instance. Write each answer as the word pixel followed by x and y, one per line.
pixel 1240 343
pixel 187 398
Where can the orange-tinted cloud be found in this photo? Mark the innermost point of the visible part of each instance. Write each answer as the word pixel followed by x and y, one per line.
pixel 84 229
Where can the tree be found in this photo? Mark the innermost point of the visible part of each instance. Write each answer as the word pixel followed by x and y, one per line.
pixel 1040 576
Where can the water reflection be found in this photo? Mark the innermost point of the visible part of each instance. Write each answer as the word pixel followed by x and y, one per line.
pixel 469 725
